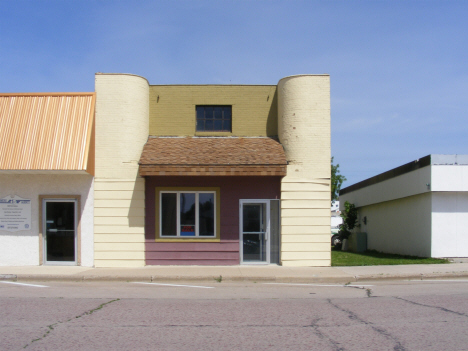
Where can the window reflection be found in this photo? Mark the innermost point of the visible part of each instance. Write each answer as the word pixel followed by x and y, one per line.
pixel 187 214
pixel 169 214
pixel 206 214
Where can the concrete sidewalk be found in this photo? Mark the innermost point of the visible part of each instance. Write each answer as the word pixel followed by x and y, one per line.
pixel 270 273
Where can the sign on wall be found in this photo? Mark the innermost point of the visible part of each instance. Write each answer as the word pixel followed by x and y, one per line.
pixel 15 213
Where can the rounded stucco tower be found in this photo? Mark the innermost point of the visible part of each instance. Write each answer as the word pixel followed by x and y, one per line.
pixel 122 126
pixel 304 131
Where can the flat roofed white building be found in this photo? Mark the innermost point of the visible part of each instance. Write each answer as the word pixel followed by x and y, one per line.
pixel 420 208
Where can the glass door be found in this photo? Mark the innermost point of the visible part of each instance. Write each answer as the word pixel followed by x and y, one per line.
pixel 254 231
pixel 59 221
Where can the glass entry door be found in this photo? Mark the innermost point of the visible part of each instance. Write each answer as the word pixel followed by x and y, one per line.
pixel 59 221
pixel 254 231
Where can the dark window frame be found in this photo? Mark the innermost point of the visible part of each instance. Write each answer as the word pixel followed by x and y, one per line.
pixel 213 118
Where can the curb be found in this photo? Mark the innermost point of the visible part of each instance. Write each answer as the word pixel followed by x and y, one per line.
pixel 153 278
pixel 422 276
pixel 8 277
pixel 209 278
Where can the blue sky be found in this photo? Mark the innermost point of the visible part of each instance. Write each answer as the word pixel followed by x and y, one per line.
pixel 399 69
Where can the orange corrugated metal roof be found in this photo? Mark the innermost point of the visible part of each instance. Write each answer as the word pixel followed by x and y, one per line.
pixel 46 131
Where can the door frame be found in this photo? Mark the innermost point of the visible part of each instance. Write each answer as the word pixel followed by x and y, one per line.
pixel 267 230
pixel 42 233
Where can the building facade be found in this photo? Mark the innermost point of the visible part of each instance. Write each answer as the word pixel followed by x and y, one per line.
pixel 181 175
pixel 46 179
pixel 252 163
pixel 420 208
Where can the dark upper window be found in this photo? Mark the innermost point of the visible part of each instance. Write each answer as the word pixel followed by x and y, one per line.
pixel 214 118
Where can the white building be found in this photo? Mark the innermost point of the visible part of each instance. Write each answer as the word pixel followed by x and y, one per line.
pixel 420 208
pixel 336 219
pixel 46 179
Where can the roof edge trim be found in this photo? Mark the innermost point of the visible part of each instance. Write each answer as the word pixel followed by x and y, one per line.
pixel 395 172
pixel 121 74
pixel 48 94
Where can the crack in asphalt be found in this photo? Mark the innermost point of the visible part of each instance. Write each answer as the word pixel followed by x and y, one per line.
pixel 222 326
pixel 436 307
pixel 336 345
pixel 368 290
pixel 52 326
pixel 353 316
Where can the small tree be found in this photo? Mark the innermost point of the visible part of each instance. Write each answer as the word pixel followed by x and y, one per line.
pixel 336 181
pixel 349 216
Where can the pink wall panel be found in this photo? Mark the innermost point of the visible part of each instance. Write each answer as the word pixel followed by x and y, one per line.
pixel 225 246
pixel 213 262
pixel 193 255
pixel 225 252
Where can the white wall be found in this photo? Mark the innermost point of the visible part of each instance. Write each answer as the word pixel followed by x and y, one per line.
pixel 450 224
pixel 449 178
pixel 425 210
pixel 431 178
pixel 22 248
pixel 336 221
pixel 404 185
pixel 401 226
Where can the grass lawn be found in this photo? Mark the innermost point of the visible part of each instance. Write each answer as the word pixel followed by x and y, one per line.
pixel 374 258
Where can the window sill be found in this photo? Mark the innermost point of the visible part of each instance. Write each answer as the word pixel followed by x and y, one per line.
pixel 213 134
pixel 188 240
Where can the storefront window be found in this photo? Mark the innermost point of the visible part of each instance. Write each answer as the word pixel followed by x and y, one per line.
pixel 187 214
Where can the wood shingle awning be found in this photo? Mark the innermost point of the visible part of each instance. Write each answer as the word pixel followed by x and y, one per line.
pixel 212 156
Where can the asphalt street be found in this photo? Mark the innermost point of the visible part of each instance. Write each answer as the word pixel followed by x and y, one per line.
pixel 380 315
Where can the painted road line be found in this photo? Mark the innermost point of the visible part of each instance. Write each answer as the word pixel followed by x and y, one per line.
pixel 440 280
pixel 178 285
pixel 326 285
pixel 356 285
pixel 24 284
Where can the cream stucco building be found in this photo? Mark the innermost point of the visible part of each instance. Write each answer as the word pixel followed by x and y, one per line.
pixel 186 175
